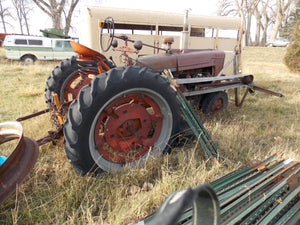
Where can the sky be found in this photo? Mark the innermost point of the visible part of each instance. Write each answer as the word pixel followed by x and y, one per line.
pixel 39 20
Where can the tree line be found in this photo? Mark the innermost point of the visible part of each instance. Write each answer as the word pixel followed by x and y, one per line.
pixel 263 18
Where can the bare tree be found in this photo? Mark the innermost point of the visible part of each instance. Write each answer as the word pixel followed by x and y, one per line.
pixel 25 13
pixel 262 11
pixel 258 22
pixel 249 7
pixel 55 10
pixel 243 8
pixel 22 11
pixel 282 7
pixel 4 12
pixel 265 21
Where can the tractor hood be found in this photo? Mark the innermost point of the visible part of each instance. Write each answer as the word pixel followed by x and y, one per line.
pixel 184 60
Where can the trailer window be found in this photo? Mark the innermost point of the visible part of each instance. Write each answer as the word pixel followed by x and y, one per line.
pixel 169 31
pixel 228 33
pixel 197 32
pixel 134 29
pixel 21 42
pixel 35 42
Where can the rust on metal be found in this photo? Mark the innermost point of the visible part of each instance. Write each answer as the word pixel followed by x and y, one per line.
pixel 268 91
pixel 32 115
pixel 128 128
pixel 51 137
pixel 85 51
pixel 20 161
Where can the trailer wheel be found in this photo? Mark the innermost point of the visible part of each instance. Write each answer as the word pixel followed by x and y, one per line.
pixel 121 118
pixel 66 80
pixel 214 102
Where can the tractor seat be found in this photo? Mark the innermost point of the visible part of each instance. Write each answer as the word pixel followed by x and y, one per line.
pixel 167 42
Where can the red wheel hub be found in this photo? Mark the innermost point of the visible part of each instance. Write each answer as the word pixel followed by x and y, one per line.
pixel 127 128
pixel 77 81
pixel 217 105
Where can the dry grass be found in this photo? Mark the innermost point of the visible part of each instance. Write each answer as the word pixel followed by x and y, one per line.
pixel 54 194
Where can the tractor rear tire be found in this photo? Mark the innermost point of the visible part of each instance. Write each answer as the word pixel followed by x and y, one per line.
pixel 214 102
pixel 123 117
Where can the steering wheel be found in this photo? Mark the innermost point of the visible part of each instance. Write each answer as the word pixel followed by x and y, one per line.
pixel 107 30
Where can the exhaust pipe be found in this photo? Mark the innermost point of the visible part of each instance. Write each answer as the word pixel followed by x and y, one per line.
pixel 184 36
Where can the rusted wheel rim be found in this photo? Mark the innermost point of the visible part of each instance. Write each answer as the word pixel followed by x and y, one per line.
pixel 19 162
pixel 76 82
pixel 127 128
pixel 217 105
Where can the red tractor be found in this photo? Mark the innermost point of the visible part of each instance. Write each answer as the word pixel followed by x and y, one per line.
pixel 120 116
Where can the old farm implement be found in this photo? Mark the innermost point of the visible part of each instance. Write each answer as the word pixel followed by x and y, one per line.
pixel 126 114
pixel 113 116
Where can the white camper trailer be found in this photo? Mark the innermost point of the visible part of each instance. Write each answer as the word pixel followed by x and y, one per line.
pixel 205 32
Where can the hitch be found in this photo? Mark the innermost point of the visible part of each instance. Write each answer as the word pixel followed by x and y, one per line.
pixel 57 114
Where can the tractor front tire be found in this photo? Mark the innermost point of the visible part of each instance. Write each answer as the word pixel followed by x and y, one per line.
pixel 125 116
pixel 65 79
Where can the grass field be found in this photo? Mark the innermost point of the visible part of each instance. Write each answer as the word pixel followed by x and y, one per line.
pixel 54 193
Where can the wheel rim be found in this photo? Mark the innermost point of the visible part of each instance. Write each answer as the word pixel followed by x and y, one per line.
pixel 217 105
pixel 72 86
pixel 28 60
pixel 135 124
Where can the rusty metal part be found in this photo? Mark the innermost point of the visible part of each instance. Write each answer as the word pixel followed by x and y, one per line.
pixel 20 161
pixel 87 54
pixel 57 115
pixel 255 88
pixel 243 78
pixel 19 119
pixel 268 91
pixel 127 128
pixel 240 103
pixel 85 51
pixel 51 137
pixel 184 60
pixel 78 80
